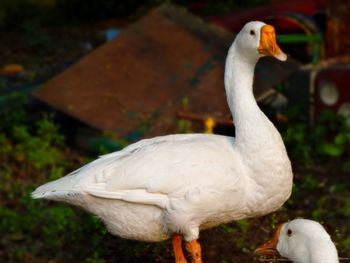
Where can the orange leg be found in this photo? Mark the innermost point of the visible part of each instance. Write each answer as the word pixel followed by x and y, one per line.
pixel 194 249
pixel 177 246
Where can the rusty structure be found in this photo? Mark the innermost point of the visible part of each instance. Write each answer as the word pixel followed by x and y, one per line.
pixel 144 75
pixel 338 30
pixel 167 65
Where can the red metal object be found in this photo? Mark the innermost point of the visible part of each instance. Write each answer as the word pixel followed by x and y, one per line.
pixel 235 21
pixel 331 92
pixel 335 71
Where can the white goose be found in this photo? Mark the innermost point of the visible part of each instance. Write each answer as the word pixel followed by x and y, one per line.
pixel 301 241
pixel 176 185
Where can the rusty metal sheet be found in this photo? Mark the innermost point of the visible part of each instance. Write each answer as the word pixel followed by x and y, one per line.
pixel 141 78
pixel 146 71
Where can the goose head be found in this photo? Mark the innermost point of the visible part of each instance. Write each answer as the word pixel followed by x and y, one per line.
pixel 301 241
pixel 257 39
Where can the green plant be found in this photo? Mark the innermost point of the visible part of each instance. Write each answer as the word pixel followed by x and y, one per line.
pixel 12 110
pixel 95 258
pixel 333 133
pixel 39 149
pixel 228 229
pixel 243 225
pixel 346 208
pixel 297 142
pixel 33 152
pixel 328 137
pixel 184 126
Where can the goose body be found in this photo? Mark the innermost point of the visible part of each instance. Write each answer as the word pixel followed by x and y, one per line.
pixel 302 241
pixel 182 183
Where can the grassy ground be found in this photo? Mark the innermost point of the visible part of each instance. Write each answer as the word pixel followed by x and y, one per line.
pixel 34 151
pixel 43 231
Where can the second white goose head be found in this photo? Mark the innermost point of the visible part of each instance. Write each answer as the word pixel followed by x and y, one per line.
pixel 301 241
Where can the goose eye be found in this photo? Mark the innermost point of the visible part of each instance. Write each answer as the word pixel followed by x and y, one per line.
pixel 252 32
pixel 289 232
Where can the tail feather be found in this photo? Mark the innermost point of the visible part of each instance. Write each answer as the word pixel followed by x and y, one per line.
pixel 58 190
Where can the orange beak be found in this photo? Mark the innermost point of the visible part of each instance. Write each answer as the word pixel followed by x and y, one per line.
pixel 270 247
pixel 268 45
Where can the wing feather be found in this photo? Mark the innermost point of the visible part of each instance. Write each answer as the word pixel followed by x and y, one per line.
pixel 140 196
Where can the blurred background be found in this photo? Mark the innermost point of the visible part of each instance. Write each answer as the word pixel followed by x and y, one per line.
pixel 82 78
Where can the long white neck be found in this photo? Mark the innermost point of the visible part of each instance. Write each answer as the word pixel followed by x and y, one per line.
pixel 250 122
pixel 257 140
